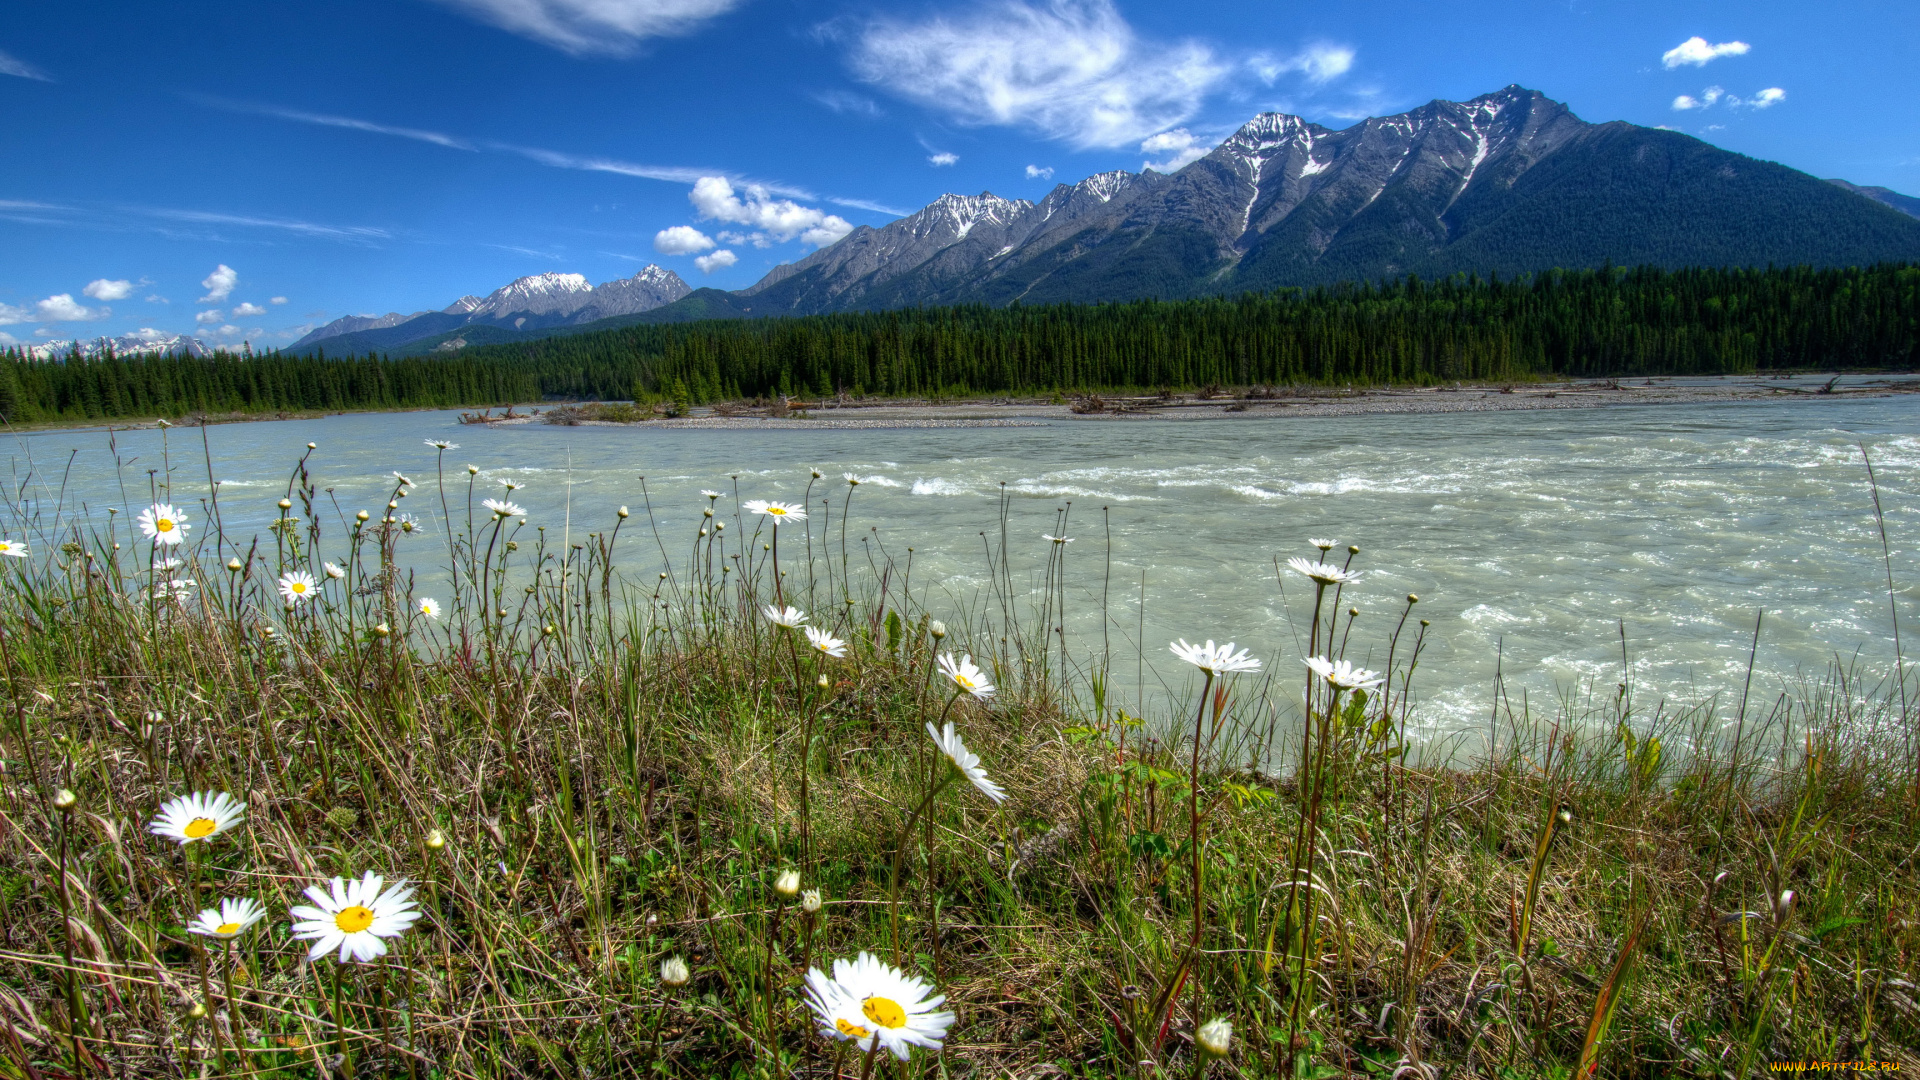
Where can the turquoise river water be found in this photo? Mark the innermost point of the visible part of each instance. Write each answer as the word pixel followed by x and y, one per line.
pixel 1531 537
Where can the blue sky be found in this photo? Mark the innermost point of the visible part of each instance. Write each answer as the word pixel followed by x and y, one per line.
pixel 246 171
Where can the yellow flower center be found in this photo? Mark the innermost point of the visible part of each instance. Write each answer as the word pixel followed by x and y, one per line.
pixel 851 1030
pixel 776 511
pixel 227 929
pixel 354 919
pixel 965 683
pixel 163 525
pixel 884 1011
pixel 298 586
pixel 200 827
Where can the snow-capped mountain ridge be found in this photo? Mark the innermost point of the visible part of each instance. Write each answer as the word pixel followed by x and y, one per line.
pixel 138 343
pixel 532 302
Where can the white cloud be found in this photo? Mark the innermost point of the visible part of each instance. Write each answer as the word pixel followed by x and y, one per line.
pixel 1180 147
pixel 681 240
pixel 248 309
pixel 943 158
pixel 1713 95
pixel 709 263
pixel 103 289
pixel 209 317
pixel 779 219
pixel 325 120
pixel 841 101
pixel 1697 52
pixel 62 308
pixel 1320 62
pixel 10 314
pixel 220 283
pixel 1070 69
pixel 156 298
pixel 8 339
pixel 606 27
pixel 18 68
pixel 278 300
pixel 1706 99
pixel 1035 172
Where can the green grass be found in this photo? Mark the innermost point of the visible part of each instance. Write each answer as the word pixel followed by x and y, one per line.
pixel 617 764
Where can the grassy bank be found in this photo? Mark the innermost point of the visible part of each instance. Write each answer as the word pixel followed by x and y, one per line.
pixel 588 772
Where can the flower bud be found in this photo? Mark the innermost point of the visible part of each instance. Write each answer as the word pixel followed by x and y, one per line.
pixel 472 470
pixel 382 630
pixel 1215 1037
pixel 623 513
pixel 810 901
pixel 938 629
pixel 787 884
pixel 436 840
pixel 673 971
pixel 286 504
pixel 708 511
pixel 823 682
pixel 816 474
pixel 547 630
pixel 64 799
pixel 1412 598
pixel 361 516
pixel 197 1012
pixel 1353 549
pixel 313 446
pixel 234 565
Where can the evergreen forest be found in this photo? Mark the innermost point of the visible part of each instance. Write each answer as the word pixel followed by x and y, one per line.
pixel 1609 322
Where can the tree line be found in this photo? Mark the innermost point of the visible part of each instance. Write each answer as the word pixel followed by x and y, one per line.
pixel 1588 323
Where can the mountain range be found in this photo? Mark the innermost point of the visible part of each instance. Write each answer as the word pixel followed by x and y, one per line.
pixel 141 341
pixel 1507 183
pixel 534 303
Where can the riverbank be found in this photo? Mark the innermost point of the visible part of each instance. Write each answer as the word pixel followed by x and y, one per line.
pixel 1274 403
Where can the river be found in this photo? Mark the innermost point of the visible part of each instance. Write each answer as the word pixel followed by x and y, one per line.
pixel 1531 538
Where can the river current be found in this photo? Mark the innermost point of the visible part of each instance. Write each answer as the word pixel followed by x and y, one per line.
pixel 1532 538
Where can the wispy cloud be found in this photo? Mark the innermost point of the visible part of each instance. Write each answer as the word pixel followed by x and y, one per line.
pixel 1180 148
pixel 20 69
pixel 550 256
pixel 1072 70
pixel 943 158
pixel 843 101
pixel 301 116
pixel 1714 95
pixel 1036 172
pixel 1696 51
pixel 557 159
pixel 1320 62
pixel 585 27
pixel 355 233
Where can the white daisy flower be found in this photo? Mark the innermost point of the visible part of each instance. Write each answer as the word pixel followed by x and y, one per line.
pixel 1324 573
pixel 1343 674
pixel 202 815
pixel 429 607
pixel 334 572
pixel 826 643
pixel 297 586
pixel 175 589
pixel 966 676
pixel 790 617
pixel 1323 545
pixel 166 564
pixel 867 1000
pixel 354 916
pixel 965 760
pixel 163 524
pixel 1215 659
pixel 710 493
pixel 442 444
pixel 230 921
pixel 13 550
pixel 404 482
pixel 502 508
pixel 1057 539
pixel 778 511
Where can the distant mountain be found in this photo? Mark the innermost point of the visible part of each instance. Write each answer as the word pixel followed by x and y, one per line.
pixel 1506 183
pixel 538 302
pixel 1906 204
pixel 139 342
